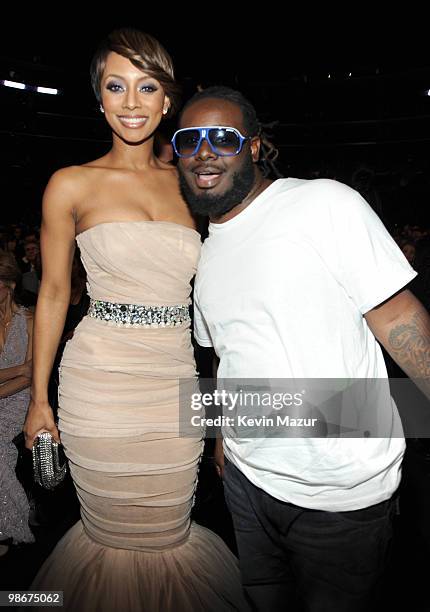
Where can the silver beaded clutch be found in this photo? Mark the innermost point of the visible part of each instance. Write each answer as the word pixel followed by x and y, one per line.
pixel 49 469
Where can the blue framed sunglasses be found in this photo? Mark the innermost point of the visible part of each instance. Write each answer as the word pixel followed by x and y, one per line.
pixel 223 141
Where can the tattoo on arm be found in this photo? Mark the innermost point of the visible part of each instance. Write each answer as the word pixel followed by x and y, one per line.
pixel 409 345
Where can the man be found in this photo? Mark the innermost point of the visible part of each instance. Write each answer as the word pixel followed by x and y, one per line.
pixel 297 279
pixel 31 276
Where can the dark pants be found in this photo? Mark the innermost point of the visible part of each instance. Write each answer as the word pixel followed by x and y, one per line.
pixel 292 558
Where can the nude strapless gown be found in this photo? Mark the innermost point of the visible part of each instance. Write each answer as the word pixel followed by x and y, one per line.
pixel 135 547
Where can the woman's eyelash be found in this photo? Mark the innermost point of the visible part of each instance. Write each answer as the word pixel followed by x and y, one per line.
pixel 118 86
pixel 113 86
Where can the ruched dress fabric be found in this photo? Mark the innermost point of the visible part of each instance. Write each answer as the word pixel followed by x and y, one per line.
pixel 135 474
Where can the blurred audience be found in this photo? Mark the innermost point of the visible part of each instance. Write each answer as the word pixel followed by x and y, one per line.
pixel 31 267
pixel 16 324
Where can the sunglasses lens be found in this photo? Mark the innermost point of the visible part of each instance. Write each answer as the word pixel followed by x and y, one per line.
pixel 223 141
pixel 226 142
pixel 186 141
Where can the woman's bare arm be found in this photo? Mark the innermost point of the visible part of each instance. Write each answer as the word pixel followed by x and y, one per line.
pixel 7 374
pixel 14 386
pixel 57 241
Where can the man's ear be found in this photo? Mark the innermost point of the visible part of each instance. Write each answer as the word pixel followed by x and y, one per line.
pixel 255 144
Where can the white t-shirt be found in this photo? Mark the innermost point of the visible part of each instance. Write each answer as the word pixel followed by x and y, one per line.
pixel 280 292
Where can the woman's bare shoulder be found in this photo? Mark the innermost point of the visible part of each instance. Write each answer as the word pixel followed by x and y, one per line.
pixel 73 173
pixel 65 179
pixel 69 185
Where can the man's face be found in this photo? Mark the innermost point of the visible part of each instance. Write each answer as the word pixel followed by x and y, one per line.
pixel 212 184
pixel 31 251
pixel 409 252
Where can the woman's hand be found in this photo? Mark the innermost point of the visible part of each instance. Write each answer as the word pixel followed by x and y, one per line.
pixel 27 368
pixel 40 418
pixel 219 457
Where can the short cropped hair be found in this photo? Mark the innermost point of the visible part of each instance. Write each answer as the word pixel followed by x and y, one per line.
pixel 221 92
pixel 144 52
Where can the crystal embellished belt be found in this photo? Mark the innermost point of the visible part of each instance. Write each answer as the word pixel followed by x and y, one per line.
pixel 139 315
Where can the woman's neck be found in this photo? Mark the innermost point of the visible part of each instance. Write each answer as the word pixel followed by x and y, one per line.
pixel 132 157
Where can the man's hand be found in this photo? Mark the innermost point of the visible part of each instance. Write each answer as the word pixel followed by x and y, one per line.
pixel 219 457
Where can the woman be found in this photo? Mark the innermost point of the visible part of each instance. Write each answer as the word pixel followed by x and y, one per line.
pixel 118 399
pixel 16 325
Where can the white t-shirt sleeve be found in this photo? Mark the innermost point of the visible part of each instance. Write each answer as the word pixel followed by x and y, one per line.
pixel 364 257
pixel 201 331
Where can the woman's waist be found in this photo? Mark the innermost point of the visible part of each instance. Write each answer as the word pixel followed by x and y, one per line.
pixel 127 314
pixel 132 348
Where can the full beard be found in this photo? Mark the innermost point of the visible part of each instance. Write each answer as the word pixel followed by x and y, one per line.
pixel 207 204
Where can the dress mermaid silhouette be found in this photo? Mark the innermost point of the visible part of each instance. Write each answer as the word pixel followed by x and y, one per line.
pixel 135 476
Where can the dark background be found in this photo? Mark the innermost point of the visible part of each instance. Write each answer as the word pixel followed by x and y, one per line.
pixel 372 112
pixel 377 118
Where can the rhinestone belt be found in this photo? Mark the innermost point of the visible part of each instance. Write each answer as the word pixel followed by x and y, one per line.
pixel 138 314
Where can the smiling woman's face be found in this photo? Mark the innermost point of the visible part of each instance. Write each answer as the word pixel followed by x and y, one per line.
pixel 133 101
